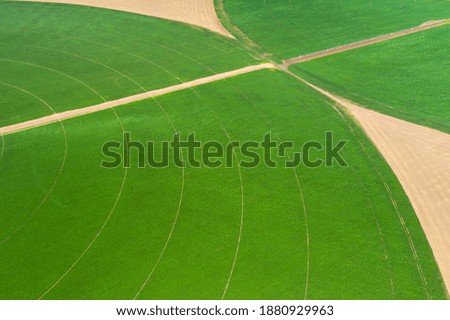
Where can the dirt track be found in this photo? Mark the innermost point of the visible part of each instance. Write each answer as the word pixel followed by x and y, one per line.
pixel 355 45
pixel 142 96
pixel 196 12
pixel 420 158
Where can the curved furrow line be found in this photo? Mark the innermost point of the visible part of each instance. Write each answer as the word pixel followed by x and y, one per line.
pixel 369 203
pixel 149 276
pixel 405 229
pixel 300 191
pixel 134 55
pixel 241 225
pixel 92 61
pixel 180 203
pixel 58 72
pixel 409 238
pixel 61 169
pixel 207 43
pixel 101 228
pixel 241 182
pixel 181 54
pixel 125 175
pixel 3 147
pixel 117 198
pixel 402 222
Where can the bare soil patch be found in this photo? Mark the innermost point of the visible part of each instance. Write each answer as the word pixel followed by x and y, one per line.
pixel 196 12
pixel 420 158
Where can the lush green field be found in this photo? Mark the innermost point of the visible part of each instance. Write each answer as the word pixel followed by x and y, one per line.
pixel 71 229
pixel 99 232
pixel 289 28
pixel 407 77
pixel 73 56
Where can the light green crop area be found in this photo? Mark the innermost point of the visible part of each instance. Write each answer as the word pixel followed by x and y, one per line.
pixel 72 229
pixel 290 28
pixel 86 232
pixel 407 78
pixel 75 57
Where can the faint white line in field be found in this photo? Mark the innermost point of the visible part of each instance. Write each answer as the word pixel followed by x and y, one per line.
pixel 3 147
pixel 302 197
pixel 56 71
pixel 369 203
pixel 101 228
pixel 301 194
pixel 134 55
pixel 410 240
pixel 169 49
pixel 412 246
pixel 59 172
pixel 117 198
pixel 115 103
pixel 397 210
pixel 180 203
pixel 93 61
pixel 241 226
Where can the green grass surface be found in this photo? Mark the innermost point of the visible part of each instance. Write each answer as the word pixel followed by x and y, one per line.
pixel 73 56
pixel 71 229
pixel 104 239
pixel 406 77
pixel 289 28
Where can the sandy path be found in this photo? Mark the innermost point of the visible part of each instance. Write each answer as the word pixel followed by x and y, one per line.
pixel 420 158
pixel 142 96
pixel 355 45
pixel 196 12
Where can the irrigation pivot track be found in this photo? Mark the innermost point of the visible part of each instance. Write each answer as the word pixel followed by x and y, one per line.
pixel 420 158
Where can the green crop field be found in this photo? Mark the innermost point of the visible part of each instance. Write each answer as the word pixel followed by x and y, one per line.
pixel 71 228
pixel 298 27
pixel 109 236
pixel 79 56
pixel 400 77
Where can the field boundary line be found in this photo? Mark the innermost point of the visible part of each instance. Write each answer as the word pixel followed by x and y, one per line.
pixel 300 191
pixel 241 184
pixel 92 61
pixel 58 72
pixel 346 118
pixel 116 202
pixel 61 169
pixel 3 147
pixel 363 43
pixel 130 99
pixel 345 104
pixel 156 65
pixel 241 225
pixel 180 203
pixel 75 263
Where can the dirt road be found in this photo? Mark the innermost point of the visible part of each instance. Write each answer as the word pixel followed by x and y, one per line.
pixel 142 96
pixel 355 45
